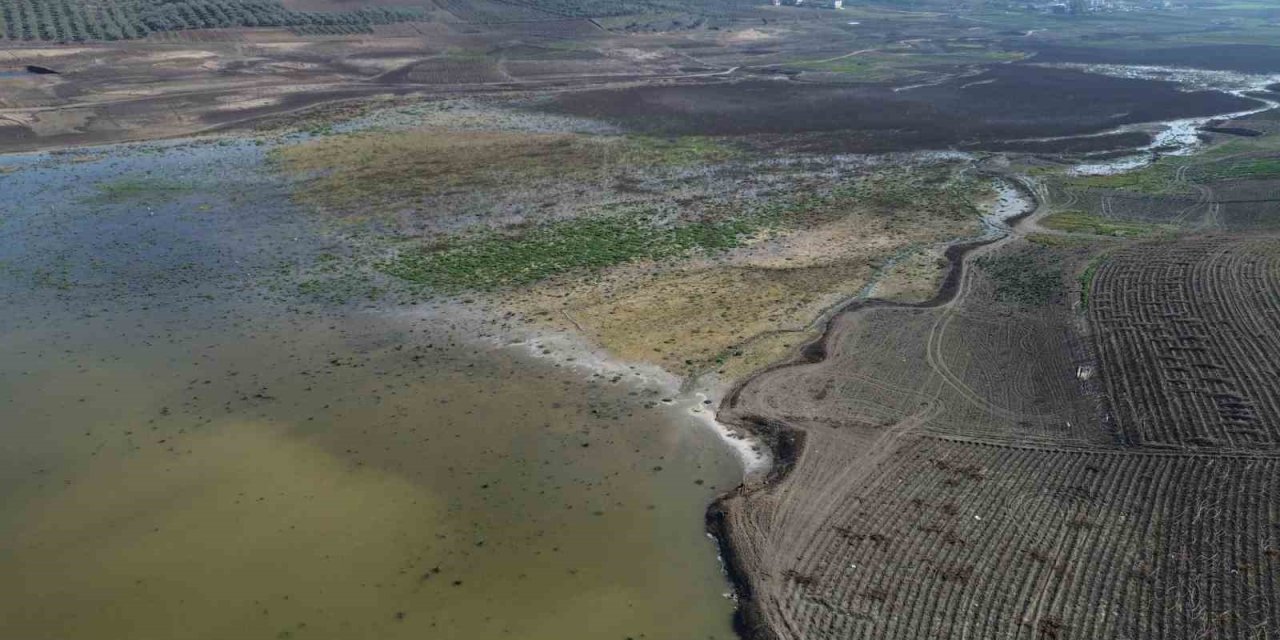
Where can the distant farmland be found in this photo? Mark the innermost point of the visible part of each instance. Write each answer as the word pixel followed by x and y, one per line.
pixel 86 20
pixel 99 20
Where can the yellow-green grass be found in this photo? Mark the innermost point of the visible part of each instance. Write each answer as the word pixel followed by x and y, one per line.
pixel 367 170
pixel 1073 221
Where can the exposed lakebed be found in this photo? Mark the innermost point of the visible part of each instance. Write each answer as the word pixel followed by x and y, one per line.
pixel 1005 103
pixel 193 449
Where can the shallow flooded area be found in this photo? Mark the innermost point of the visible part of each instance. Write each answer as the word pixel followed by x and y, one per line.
pixel 195 449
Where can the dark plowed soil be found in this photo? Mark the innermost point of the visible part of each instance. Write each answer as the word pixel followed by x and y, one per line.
pixel 1186 336
pixel 1247 58
pixel 1015 102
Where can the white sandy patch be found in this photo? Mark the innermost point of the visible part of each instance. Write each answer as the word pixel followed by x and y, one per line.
pixel 573 351
pixel 282 46
pixel 166 56
pixel 639 55
pixel 60 52
pixel 232 104
pixel 747 35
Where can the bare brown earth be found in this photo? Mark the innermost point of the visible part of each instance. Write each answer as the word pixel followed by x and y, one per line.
pixel 906 80
pixel 969 468
pixel 1000 104
pixel 183 82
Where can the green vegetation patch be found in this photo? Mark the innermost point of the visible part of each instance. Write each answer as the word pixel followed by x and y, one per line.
pixel 1158 178
pixel 1073 221
pixel 495 260
pixel 140 188
pixel 1025 278
pixel 1238 169
pixel 1086 279
pixel 1248 159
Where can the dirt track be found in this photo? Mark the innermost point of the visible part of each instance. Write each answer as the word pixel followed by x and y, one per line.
pixel 954 469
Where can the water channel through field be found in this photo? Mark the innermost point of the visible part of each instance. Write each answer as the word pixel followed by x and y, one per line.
pixel 190 450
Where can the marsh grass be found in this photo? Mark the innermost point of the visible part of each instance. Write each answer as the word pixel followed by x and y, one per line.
pixel 517 257
pixel 495 260
pixel 369 171
pixel 1073 221
pixel 139 188
pixel 1026 278
pixel 1158 178
pixel 1239 169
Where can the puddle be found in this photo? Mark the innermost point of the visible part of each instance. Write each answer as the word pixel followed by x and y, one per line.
pixel 193 452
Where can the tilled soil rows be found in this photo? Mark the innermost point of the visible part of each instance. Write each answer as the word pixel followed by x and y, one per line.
pixel 949 539
pixel 974 470
pixel 1189 340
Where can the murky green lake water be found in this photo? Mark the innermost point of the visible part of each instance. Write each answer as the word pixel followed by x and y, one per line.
pixel 188 450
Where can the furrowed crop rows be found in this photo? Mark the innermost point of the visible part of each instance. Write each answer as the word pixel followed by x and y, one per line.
pixel 447 71
pixel 1251 204
pixel 1188 340
pixel 608 8
pixel 963 540
pixel 494 12
pixel 81 20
